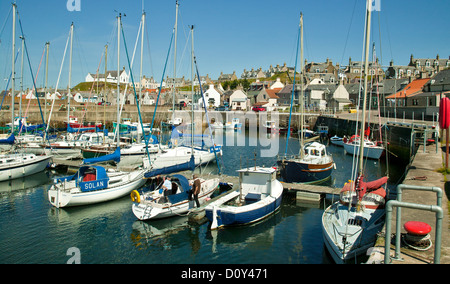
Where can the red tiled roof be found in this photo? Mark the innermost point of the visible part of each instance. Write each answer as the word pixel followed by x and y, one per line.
pixel 411 89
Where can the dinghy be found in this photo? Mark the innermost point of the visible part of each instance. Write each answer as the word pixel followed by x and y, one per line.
pixel 258 196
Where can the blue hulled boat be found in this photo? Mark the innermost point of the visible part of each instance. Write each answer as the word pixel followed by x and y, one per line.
pixel 259 195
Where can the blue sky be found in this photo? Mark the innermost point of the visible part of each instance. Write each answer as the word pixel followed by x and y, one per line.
pixel 230 35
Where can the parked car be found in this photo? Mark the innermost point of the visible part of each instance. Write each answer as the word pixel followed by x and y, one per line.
pixel 259 108
pixel 222 108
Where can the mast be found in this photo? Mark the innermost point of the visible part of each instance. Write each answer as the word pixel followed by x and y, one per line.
pixel 118 78
pixel 192 82
pixel 293 92
pixel 366 71
pixel 105 90
pixel 13 72
pixel 142 55
pixel 21 80
pixel 70 75
pixel 47 45
pixel 302 98
pixel 175 62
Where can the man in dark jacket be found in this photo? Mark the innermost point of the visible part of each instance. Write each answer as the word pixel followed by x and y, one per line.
pixel 196 189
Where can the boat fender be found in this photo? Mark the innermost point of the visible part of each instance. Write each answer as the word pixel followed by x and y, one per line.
pixel 135 196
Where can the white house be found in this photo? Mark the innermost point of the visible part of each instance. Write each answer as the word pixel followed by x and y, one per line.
pixel 239 101
pixel 84 98
pixel 210 94
pixel 277 85
pixel 111 77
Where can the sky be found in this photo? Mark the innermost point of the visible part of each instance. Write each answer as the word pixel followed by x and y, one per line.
pixel 229 35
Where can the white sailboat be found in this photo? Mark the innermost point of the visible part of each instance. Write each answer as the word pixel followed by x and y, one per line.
pixel 93 184
pixel 178 158
pixel 371 150
pixel 19 164
pixel 156 204
pixel 350 225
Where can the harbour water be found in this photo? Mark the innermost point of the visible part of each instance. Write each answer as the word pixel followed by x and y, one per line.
pixel 32 231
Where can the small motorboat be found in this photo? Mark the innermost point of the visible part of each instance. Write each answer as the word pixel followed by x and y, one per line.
pixel 259 196
pixel 160 203
pixel 336 140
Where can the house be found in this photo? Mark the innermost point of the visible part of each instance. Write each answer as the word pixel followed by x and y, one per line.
pixel 227 77
pixel 147 83
pixel 111 77
pixel 430 65
pixel 84 97
pixel 278 69
pixel 212 97
pixel 356 68
pixel 239 101
pixel 277 85
pixel 339 98
pixel 285 94
pixel 413 88
pixel 439 82
pixel 177 82
pixel 268 97
pixel 253 74
pixel 399 71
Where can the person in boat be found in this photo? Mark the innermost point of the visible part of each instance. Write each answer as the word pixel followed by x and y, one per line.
pixel 166 189
pixel 196 189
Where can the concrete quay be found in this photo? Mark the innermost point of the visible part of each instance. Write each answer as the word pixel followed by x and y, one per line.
pixel 423 171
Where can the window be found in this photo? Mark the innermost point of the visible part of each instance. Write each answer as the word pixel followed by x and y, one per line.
pixel 427 63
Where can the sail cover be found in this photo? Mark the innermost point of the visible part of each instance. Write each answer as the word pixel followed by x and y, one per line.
pixel 110 157
pixel 9 140
pixel 172 169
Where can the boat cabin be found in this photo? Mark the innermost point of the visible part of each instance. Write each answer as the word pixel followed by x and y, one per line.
pixel 91 178
pixel 315 149
pixel 256 182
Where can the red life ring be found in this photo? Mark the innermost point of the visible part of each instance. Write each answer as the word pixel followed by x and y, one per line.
pixel 444 113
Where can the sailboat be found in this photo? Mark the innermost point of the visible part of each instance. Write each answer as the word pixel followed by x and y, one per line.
pixel 313 164
pixel 158 204
pixel 17 165
pixel 350 225
pixel 181 157
pixel 93 184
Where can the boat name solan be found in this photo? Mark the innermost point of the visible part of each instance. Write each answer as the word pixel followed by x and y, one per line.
pixel 94 185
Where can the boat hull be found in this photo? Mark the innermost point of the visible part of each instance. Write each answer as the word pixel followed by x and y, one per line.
pixel 243 217
pixel 359 235
pixel 254 209
pixel 298 172
pixel 369 152
pixel 60 198
pixel 24 168
pixel 149 211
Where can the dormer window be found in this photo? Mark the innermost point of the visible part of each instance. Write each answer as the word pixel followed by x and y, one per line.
pixel 427 64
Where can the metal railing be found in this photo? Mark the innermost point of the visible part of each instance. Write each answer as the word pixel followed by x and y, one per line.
pixel 398 203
